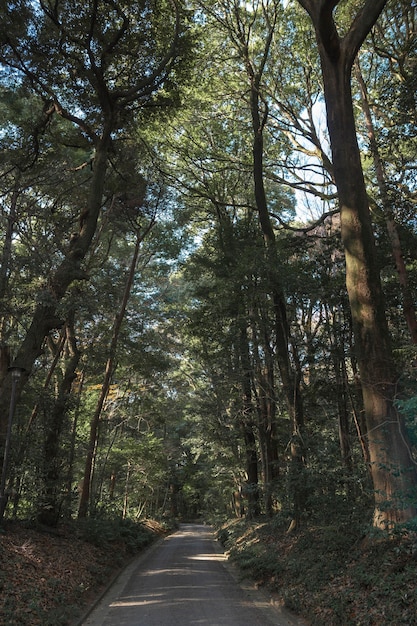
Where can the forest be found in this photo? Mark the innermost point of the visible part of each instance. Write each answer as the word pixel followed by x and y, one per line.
pixel 208 261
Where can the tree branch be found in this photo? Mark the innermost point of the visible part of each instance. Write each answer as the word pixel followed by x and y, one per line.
pixel 321 13
pixel 147 84
pixel 361 26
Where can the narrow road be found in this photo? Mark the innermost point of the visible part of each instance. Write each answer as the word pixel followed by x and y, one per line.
pixel 183 581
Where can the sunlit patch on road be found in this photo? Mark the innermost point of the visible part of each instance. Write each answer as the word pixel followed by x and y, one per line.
pixel 208 557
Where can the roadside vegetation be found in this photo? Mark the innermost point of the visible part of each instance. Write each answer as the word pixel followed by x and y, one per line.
pixel 333 575
pixel 208 279
pixel 52 577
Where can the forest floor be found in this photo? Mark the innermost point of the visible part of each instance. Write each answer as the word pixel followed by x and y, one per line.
pixel 327 574
pixel 49 577
pixel 331 575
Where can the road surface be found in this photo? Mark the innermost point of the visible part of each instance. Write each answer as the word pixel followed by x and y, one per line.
pixel 183 581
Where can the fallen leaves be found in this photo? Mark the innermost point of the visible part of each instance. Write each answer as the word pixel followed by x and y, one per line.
pixel 49 578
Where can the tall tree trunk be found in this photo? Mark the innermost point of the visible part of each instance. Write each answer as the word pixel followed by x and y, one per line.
pixel 392 468
pixel 240 32
pixel 268 435
pixel 251 489
pixel 68 504
pixel 51 500
pixel 45 315
pixel 289 378
pixel 266 402
pixel 6 261
pixel 252 484
pixel 407 296
pixel 5 266
pixel 95 420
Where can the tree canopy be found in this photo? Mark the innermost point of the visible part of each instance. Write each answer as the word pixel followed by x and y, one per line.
pixel 208 264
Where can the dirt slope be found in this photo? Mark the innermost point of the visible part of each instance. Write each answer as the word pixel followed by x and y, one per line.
pixel 49 577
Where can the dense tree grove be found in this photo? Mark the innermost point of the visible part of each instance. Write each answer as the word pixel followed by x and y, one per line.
pixel 208 269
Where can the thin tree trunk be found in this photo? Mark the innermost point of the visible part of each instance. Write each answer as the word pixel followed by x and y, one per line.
pixel 103 470
pixel 267 427
pixel 71 456
pixel 289 378
pixel 95 420
pixel 240 34
pixel 126 494
pixel 5 267
pixel 252 483
pixel 264 384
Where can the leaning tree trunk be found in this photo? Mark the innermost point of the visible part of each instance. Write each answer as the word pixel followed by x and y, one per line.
pixel 45 316
pixel 392 468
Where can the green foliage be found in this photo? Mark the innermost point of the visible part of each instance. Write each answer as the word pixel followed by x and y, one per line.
pixel 329 573
pixel 99 532
pixel 408 408
pixel 171 434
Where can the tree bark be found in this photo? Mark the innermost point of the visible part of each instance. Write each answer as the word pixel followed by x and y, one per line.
pixel 95 420
pixel 51 500
pixel 392 467
pixel 397 254
pixel 45 317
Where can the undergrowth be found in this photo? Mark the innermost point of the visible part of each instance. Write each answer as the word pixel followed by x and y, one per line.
pixel 333 575
pixel 49 576
pixel 99 532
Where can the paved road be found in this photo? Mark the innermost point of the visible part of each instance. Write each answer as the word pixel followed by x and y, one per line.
pixel 183 581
